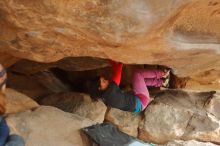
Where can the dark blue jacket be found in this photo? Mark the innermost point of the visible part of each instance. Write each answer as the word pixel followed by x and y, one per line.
pixel 114 97
pixel 4 131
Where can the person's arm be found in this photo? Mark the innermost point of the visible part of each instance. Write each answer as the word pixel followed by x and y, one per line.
pixel 117 70
pixel 4 132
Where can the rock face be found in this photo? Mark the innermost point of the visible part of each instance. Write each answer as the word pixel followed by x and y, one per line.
pixel 49 126
pixel 172 115
pixel 189 143
pixel 126 122
pixel 213 105
pixel 181 34
pixel 206 81
pixel 7 60
pixel 182 115
pixel 69 64
pixel 173 34
pixel 77 103
pixel 38 85
pixel 17 102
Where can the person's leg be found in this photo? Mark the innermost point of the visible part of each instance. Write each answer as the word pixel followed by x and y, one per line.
pixel 139 86
pixel 150 73
pixel 140 89
pixel 153 82
pixel 15 140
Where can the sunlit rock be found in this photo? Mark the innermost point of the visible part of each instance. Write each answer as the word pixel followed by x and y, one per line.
pixel 183 35
pixel 49 126
pixel 127 122
pixel 18 102
pixel 176 114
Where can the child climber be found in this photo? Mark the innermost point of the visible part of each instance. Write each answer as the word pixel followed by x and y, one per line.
pixel 137 101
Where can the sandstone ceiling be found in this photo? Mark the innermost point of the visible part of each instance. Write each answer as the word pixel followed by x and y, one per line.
pixel 184 35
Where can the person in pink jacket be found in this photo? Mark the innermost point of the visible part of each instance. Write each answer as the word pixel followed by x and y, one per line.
pixel 112 95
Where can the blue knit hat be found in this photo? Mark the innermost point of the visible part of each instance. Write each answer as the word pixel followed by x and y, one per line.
pixel 2 75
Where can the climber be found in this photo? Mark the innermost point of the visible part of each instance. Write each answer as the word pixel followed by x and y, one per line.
pixel 5 138
pixel 112 95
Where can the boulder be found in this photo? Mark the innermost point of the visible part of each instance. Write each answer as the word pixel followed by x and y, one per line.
pixel 212 105
pixel 18 102
pixel 37 85
pixel 176 34
pixel 49 126
pixel 126 122
pixel 189 143
pixel 176 114
pixel 77 103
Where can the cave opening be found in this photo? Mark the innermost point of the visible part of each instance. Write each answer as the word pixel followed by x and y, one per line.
pixel 40 80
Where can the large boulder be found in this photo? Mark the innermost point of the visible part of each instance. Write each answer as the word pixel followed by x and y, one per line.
pixel 49 126
pixel 126 122
pixel 174 33
pixel 212 105
pixel 18 102
pixel 189 143
pixel 77 103
pixel 176 114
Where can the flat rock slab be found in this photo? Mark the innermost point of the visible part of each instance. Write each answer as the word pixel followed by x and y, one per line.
pixel 49 126
pixel 18 102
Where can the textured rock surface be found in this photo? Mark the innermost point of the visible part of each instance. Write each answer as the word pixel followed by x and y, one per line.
pixel 77 103
pixel 68 64
pixel 213 105
pixel 49 126
pixel 206 81
pixel 126 122
pixel 174 34
pixel 183 115
pixel 17 102
pixel 183 35
pixel 38 85
pixel 7 60
pixel 189 143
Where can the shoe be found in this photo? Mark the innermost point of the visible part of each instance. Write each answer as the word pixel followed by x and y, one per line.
pixel 167 73
pixel 165 83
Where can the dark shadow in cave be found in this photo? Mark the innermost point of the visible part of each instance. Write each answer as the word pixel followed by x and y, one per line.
pixel 52 80
pixel 78 80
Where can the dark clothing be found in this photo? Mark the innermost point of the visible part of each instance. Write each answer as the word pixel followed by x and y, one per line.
pixel 4 131
pixel 15 140
pixel 114 97
pixel 106 134
pixel 6 139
